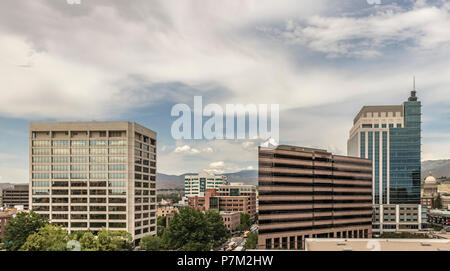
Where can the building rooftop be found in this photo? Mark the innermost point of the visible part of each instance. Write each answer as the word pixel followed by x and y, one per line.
pixel 376 109
pixel 322 244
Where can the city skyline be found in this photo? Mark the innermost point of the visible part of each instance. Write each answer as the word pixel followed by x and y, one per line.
pixel 264 55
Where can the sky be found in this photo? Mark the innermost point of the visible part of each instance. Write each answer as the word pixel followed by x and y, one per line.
pixel 320 60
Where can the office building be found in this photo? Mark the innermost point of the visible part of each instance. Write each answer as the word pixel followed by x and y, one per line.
pixel 228 198
pixel 306 192
pixel 390 137
pixel 196 185
pixel 89 175
pixel 399 217
pixel 15 196
pixel 232 192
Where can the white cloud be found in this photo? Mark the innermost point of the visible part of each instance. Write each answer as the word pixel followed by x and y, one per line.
pixel 219 164
pixel 423 27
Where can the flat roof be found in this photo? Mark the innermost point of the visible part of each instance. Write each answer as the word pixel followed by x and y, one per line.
pixel 378 108
pixel 375 244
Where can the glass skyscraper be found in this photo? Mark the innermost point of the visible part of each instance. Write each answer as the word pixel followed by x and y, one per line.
pixel 390 137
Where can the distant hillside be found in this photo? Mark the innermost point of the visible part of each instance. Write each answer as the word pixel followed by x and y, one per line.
pixel 439 168
pixel 173 181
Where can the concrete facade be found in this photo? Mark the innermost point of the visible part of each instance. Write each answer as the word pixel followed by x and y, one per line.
pixel 89 175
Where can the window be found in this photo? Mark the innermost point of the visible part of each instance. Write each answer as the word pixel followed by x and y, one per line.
pixel 79 143
pixel 41 176
pixel 99 143
pixel 60 143
pixel 98 167
pixel 80 151
pixel 117 142
pixel 80 159
pixel 99 151
pixel 41 143
pixel 117 167
pixel 117 159
pixel 41 159
pixel 101 159
pixel 61 159
pixel 117 151
pixel 41 151
pixel 41 168
pixel 60 151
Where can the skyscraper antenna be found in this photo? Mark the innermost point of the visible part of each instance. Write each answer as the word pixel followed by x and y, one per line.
pixel 413 97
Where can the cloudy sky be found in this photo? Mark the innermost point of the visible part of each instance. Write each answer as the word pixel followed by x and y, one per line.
pixel 320 60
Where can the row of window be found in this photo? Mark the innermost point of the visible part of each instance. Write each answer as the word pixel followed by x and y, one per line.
pixel 80 159
pixel 121 192
pixel 80 175
pixel 79 151
pixel 78 143
pixel 79 200
pixel 113 167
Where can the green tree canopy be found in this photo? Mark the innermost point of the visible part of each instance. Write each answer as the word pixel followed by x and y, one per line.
pixel 89 242
pixel 47 238
pixel 192 230
pixel 20 227
pixel 150 243
pixel 246 222
pixel 252 241
pixel 114 240
pixel 217 231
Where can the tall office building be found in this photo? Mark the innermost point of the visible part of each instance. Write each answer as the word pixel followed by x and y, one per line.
pixel 390 137
pixel 89 175
pixel 196 185
pixel 311 193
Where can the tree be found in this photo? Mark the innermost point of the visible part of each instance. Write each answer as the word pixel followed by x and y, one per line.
pixel 114 240
pixel 255 218
pixel 188 230
pixel 89 242
pixel 252 241
pixel 48 238
pixel 246 222
pixel 150 243
pixel 437 203
pixel 160 225
pixel 218 233
pixel 20 227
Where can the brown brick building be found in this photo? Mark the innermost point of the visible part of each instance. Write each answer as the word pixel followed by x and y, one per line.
pixel 309 193
pixel 235 197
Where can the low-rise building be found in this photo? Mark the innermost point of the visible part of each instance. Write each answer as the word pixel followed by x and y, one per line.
pixel 232 220
pixel 233 198
pixel 398 218
pixel 17 195
pixel 439 217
